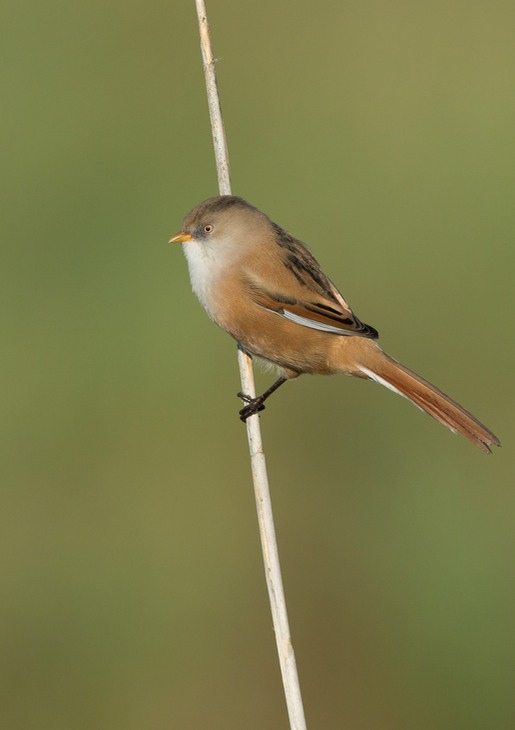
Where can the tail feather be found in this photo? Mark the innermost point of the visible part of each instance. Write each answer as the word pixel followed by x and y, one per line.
pixel 430 399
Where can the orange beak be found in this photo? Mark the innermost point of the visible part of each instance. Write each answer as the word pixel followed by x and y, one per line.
pixel 180 238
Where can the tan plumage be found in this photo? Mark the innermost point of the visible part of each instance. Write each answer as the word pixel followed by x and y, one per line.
pixel 265 289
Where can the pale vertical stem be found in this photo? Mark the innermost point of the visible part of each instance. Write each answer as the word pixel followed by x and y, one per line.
pixel 257 456
pixel 213 101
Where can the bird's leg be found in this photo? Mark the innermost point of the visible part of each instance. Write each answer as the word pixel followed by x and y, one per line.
pixel 254 405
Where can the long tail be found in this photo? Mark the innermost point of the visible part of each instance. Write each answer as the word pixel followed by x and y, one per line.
pixel 430 399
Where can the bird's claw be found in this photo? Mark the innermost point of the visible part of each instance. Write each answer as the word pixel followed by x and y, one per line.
pixel 254 405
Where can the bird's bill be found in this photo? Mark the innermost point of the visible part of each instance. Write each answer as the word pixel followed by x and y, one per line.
pixel 180 238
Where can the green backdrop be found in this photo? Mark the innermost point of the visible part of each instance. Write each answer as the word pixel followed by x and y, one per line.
pixel 133 593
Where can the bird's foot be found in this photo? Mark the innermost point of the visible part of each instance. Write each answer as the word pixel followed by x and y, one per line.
pixel 254 405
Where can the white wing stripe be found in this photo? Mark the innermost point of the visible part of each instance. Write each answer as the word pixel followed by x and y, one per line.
pixel 306 322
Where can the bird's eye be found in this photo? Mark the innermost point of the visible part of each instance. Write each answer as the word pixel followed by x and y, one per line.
pixel 209 228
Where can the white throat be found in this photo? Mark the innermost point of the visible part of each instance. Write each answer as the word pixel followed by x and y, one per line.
pixel 206 263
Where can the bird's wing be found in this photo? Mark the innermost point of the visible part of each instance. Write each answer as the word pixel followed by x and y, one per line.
pixel 318 314
pixel 312 300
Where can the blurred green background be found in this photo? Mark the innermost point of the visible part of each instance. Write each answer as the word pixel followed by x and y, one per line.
pixel 133 593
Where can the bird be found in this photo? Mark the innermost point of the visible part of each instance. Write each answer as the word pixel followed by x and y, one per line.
pixel 264 287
